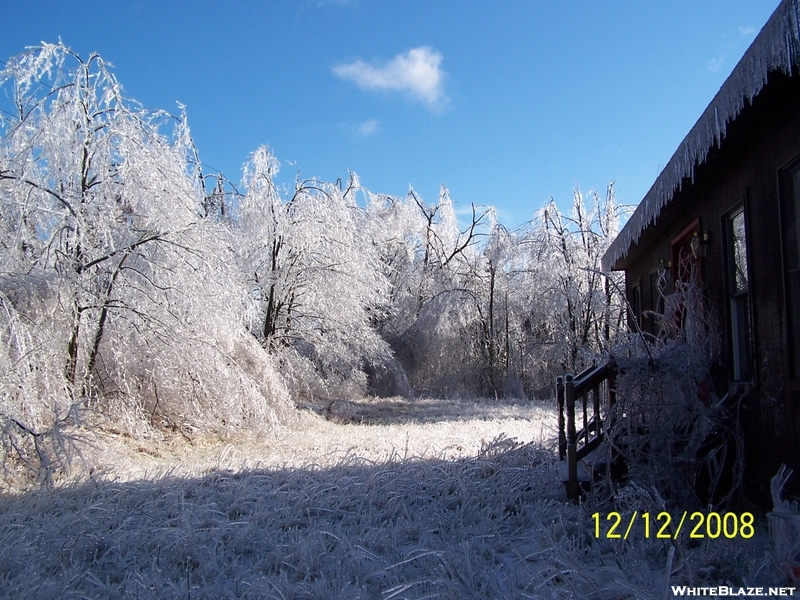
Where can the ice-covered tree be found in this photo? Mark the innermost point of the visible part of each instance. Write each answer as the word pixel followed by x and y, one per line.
pixel 132 284
pixel 314 276
pixel 433 321
pixel 570 309
pixel 115 285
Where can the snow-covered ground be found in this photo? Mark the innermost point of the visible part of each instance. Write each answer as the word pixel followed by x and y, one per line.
pixel 371 430
pixel 373 499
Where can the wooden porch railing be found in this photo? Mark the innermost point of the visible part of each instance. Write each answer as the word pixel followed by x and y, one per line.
pixel 593 388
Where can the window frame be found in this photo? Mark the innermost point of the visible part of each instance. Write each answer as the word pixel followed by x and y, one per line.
pixel 741 341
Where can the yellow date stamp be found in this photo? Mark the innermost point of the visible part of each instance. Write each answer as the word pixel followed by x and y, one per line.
pixel 663 525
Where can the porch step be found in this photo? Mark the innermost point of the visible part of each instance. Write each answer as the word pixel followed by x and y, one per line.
pixel 595 461
pixel 591 468
pixel 590 390
pixel 584 478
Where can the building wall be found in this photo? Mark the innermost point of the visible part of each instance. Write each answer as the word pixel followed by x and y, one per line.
pixel 744 170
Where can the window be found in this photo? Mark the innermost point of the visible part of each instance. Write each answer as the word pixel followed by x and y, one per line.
pixel 738 283
pixel 790 233
pixel 635 302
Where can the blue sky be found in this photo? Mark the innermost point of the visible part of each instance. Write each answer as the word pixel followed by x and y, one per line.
pixel 506 103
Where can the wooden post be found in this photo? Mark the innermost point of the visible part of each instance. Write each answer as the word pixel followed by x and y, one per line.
pixel 572 457
pixel 612 382
pixel 585 418
pixel 598 425
pixel 562 436
pixel 612 399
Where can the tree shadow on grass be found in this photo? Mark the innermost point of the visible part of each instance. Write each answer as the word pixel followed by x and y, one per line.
pixel 400 410
pixel 489 526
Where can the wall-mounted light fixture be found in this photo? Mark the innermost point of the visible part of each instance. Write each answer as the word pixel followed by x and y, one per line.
pixel 698 244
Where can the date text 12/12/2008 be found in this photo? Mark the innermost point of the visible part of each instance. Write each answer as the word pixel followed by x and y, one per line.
pixel 700 525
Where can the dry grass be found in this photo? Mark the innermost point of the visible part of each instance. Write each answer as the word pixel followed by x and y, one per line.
pixel 375 501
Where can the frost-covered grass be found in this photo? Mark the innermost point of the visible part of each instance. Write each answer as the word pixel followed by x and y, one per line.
pixel 381 499
pixel 323 435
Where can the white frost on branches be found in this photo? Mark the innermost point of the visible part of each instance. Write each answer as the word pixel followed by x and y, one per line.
pixel 138 309
pixel 314 276
pixel 130 292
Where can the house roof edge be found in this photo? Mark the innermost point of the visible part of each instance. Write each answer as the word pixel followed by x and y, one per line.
pixel 775 48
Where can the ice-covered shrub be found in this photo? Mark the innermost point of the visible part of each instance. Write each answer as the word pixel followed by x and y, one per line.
pixel 784 528
pixel 668 427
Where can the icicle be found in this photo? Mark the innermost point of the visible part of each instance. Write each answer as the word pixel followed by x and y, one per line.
pixel 776 48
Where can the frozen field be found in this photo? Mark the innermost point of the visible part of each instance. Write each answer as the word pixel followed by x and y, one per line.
pixel 377 499
pixel 370 431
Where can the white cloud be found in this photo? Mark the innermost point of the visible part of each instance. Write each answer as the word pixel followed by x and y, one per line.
pixel 715 63
pixel 364 129
pixel 746 31
pixel 369 127
pixel 416 73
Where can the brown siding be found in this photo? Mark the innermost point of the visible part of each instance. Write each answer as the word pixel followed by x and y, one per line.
pixel 764 138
